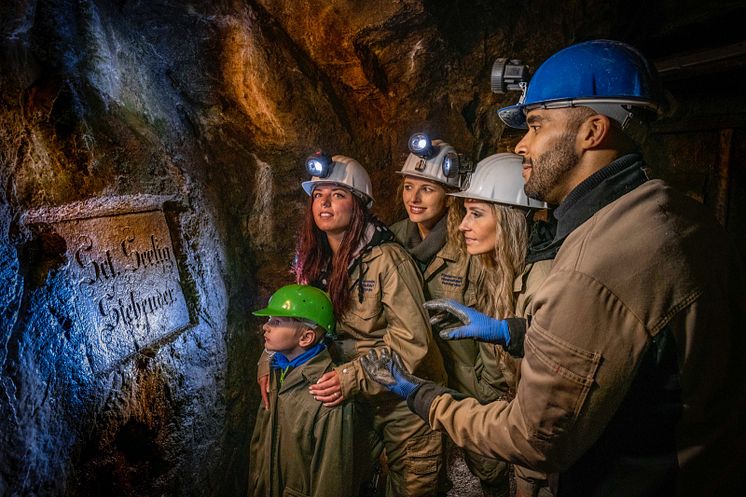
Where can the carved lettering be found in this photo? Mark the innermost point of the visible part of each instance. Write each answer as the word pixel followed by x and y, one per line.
pixel 128 281
pixel 133 307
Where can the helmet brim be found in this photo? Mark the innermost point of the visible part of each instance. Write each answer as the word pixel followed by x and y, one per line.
pixel 308 187
pixel 532 203
pixel 269 311
pixel 425 176
pixel 471 196
pixel 513 116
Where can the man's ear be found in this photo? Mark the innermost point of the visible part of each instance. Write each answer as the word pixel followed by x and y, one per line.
pixel 594 132
pixel 307 337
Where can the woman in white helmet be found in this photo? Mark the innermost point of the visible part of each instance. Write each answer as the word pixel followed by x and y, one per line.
pixel 431 236
pixel 496 230
pixel 377 294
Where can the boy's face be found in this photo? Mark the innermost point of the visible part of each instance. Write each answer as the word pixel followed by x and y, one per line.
pixel 281 334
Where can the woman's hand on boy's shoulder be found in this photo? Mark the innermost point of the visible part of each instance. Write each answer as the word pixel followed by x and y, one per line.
pixel 328 389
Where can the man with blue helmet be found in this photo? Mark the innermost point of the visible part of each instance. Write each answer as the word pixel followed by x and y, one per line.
pixel 637 337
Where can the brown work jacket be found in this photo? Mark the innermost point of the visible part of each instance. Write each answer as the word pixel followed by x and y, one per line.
pixel 452 274
pixel 390 315
pixel 633 378
pixel 503 373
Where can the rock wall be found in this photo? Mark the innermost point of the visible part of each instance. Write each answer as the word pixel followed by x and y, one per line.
pixel 201 113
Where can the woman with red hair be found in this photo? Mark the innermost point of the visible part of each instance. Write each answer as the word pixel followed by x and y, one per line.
pixel 376 290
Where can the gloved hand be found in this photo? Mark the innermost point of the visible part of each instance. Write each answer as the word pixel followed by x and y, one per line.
pixel 475 324
pixel 387 369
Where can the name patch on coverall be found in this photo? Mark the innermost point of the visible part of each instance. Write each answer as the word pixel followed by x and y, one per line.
pixel 368 285
pixel 452 281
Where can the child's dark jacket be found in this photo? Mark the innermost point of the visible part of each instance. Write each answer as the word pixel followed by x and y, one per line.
pixel 301 448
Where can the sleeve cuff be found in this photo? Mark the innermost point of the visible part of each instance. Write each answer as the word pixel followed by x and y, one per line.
pixel 422 398
pixel 348 373
pixel 517 330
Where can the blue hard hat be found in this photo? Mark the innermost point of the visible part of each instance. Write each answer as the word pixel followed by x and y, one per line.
pixel 610 77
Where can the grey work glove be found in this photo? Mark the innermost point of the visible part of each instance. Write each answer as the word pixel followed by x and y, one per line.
pixel 387 369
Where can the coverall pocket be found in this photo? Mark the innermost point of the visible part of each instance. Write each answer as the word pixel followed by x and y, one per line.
pixel 560 375
pixel 424 454
pixel 366 310
pixel 362 317
pixel 291 492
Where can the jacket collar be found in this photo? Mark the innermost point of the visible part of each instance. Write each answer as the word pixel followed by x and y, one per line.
pixel 450 251
pixel 376 234
pixel 309 372
pixel 421 250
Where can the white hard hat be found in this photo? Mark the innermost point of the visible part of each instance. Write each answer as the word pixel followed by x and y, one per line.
pixel 348 173
pixel 498 179
pixel 432 168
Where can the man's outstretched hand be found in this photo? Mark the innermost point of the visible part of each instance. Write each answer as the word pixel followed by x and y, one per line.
pixel 475 325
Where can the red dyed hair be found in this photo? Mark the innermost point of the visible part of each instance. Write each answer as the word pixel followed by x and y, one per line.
pixel 315 262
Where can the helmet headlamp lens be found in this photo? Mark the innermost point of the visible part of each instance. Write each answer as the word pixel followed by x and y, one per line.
pixel 319 164
pixel 421 145
pixel 451 165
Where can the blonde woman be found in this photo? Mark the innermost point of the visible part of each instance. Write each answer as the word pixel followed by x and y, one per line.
pixel 430 234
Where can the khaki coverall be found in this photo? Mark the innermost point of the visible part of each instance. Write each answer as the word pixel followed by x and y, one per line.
pixel 636 344
pixel 529 483
pixel 301 448
pixel 391 315
pixel 473 368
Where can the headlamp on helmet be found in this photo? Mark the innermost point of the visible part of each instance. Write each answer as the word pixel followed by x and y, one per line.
pixel 455 164
pixel 319 164
pixel 421 145
pixel 451 165
pixel 508 75
pixel 435 160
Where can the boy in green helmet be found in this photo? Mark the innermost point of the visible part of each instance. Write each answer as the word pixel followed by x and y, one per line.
pixel 299 446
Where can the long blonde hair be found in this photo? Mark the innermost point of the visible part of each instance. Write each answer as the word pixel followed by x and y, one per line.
pixel 503 264
pixel 455 214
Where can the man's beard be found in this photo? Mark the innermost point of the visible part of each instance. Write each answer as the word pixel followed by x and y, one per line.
pixel 549 168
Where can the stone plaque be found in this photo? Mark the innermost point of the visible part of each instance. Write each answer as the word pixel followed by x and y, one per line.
pixel 128 293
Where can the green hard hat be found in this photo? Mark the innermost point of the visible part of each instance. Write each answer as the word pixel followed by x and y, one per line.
pixel 301 301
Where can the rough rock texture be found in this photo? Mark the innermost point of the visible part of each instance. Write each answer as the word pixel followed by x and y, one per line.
pixel 214 104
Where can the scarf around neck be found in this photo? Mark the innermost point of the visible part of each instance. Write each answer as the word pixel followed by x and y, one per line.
pixel 279 361
pixel 423 251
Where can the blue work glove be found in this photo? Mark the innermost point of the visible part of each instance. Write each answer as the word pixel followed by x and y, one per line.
pixel 387 369
pixel 475 324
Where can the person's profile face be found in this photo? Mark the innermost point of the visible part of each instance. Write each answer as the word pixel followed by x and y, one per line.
pixel 281 334
pixel 479 227
pixel 549 153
